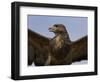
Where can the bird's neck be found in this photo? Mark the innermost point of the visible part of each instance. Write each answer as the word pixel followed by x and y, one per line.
pixel 62 36
pixel 61 39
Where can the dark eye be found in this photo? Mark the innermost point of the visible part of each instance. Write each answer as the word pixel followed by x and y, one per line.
pixel 56 25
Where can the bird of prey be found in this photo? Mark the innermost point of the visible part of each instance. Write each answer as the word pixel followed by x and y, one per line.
pixel 59 50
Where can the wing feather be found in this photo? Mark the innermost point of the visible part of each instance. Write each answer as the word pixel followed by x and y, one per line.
pixel 38 47
pixel 79 49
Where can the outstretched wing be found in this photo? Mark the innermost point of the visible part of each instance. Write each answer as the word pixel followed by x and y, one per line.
pixel 38 47
pixel 79 49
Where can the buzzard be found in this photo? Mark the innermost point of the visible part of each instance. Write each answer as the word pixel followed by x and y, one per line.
pixel 59 50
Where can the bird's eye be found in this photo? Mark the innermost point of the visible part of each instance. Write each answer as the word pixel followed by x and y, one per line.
pixel 56 25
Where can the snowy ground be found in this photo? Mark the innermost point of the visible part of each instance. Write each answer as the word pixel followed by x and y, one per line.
pixel 80 63
pixel 75 63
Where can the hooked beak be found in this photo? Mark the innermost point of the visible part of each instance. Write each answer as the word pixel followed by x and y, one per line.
pixel 51 29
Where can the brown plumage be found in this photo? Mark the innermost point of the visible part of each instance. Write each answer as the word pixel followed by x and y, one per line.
pixel 59 50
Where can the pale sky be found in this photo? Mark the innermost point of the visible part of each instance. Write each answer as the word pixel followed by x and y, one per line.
pixel 76 26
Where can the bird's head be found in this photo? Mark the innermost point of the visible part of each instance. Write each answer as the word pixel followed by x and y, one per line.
pixel 60 30
pixel 57 28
